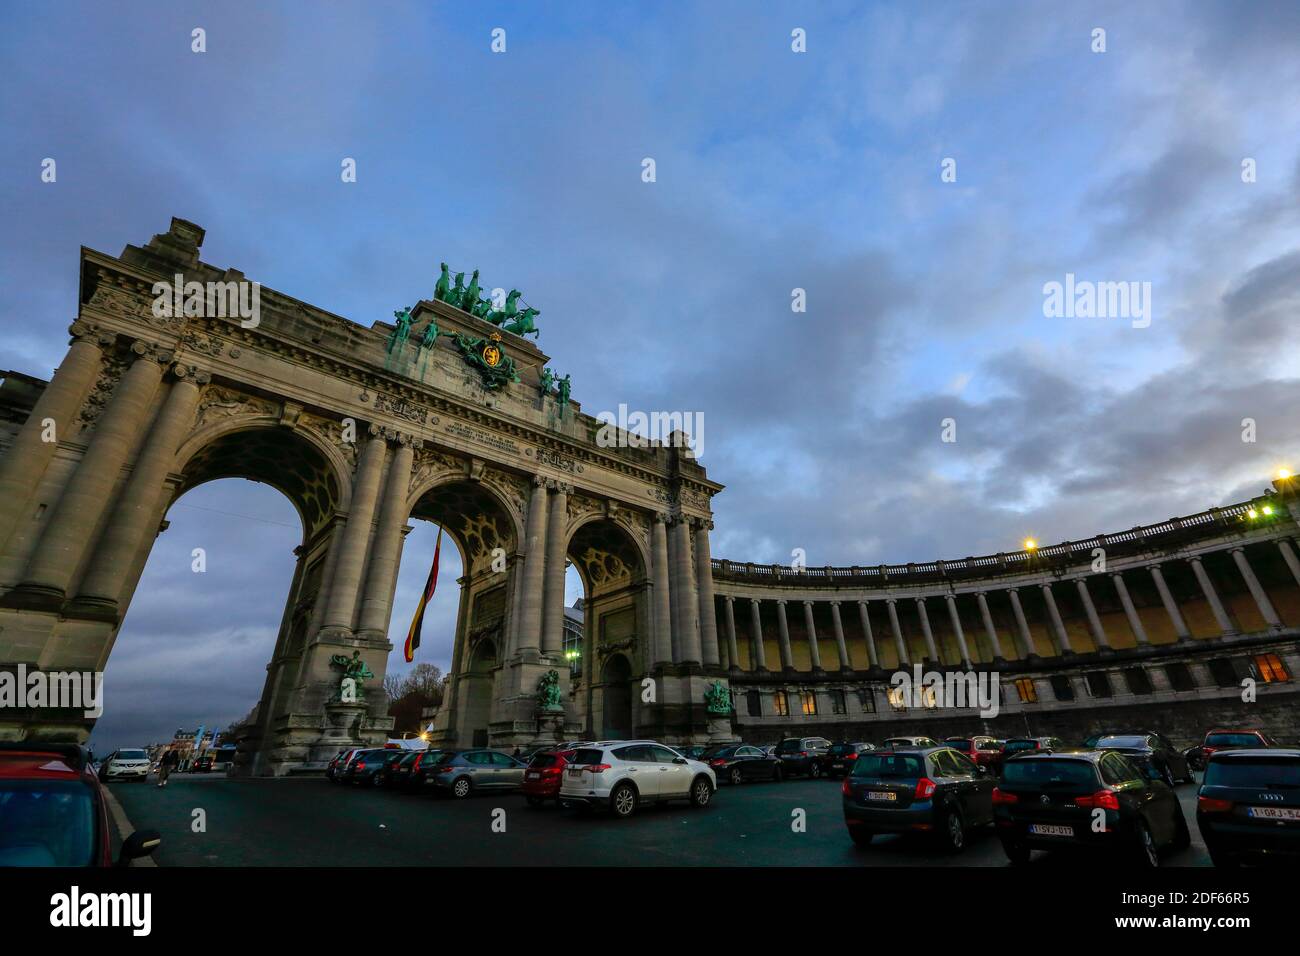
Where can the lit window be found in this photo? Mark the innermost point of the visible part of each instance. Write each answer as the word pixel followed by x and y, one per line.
pixel 1270 668
pixel 781 704
pixel 897 699
pixel 809 703
pixel 1025 688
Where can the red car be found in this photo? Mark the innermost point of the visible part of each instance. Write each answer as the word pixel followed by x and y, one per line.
pixel 52 810
pixel 544 774
pixel 985 751
pixel 1229 740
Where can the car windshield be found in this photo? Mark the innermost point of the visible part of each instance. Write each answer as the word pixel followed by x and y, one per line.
pixel 890 766
pixel 1034 772
pixel 588 756
pixel 1233 740
pixel 957 744
pixel 1014 746
pixel 131 755
pixel 1265 773
pixel 789 746
pixel 544 760
pixel 46 823
pixel 1126 743
pixel 843 748
pixel 717 752
pixel 986 745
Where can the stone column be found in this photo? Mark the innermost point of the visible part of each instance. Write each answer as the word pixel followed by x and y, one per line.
pixel 344 591
pixel 1094 622
pixel 78 510
pixel 903 656
pixel 956 628
pixel 733 655
pixel 1256 589
pixel 930 649
pixel 557 527
pixel 989 629
pixel 811 627
pixel 1058 626
pixel 1130 612
pixel 663 638
pixel 530 606
pixel 135 515
pixel 841 646
pixel 756 635
pixel 1288 555
pixel 1171 607
pixel 872 658
pixel 1022 626
pixel 1211 595
pixel 25 461
pixel 783 637
pixel 685 610
pixel 704 585
pixel 386 552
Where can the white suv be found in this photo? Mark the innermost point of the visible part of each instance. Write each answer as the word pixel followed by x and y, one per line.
pixel 125 765
pixel 622 773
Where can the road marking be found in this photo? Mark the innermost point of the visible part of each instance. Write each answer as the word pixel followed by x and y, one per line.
pixel 123 824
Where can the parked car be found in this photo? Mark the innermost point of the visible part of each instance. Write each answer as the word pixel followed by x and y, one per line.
pixel 1170 763
pixel 799 755
pixel 930 791
pixel 53 812
pixel 985 751
pixel 544 775
pixel 691 751
pixel 1053 800
pixel 896 742
pixel 741 763
pixel 1248 807
pixel 463 772
pixel 127 764
pixel 348 773
pixel 1016 746
pixel 340 760
pixel 423 768
pixel 398 775
pixel 373 768
pixel 625 774
pixel 838 759
pixel 1226 740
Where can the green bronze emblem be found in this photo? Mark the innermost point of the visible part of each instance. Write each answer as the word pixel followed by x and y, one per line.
pixel 488 358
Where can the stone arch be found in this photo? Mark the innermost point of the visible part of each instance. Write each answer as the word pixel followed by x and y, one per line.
pixel 617 545
pixel 461 506
pixel 614 716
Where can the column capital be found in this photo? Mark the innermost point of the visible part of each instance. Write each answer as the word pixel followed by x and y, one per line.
pixel 91 333
pixel 729 598
pixel 191 374
pixel 781 601
pixel 661 517
pixel 539 481
pixel 833 603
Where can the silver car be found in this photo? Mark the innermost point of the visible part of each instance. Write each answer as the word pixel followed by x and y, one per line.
pixel 462 772
pixel 624 773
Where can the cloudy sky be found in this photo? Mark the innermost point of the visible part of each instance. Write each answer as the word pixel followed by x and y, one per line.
pixel 775 170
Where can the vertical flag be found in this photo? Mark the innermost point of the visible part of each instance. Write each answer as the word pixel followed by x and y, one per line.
pixel 413 635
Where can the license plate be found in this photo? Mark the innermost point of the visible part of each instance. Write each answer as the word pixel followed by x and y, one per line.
pixel 881 795
pixel 1274 813
pixel 1043 829
pixel 534 776
pixel 575 773
pixel 836 766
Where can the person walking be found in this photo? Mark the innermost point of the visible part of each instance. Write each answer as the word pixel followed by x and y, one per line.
pixel 165 766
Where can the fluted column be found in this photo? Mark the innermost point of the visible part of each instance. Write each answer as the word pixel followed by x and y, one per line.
pixel 663 639
pixel 557 526
pixel 841 646
pixel 530 616
pixel 756 635
pixel 733 653
pixel 1171 606
pixel 901 645
pixel 1256 589
pixel 23 465
pixel 1130 612
pixel 1094 622
pixel 783 637
pixel 1022 625
pixel 136 513
pixel 811 627
pixel 930 648
pixel 1288 555
pixel 685 611
pixel 865 620
pixel 1221 615
pixel 955 618
pixel 989 629
pixel 1058 625
pixel 386 552
pixel 704 587
pixel 78 510
pixel 344 592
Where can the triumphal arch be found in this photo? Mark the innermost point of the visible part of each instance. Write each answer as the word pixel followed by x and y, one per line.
pixel 179 372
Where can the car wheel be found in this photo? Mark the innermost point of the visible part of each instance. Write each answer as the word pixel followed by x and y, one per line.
pixel 701 792
pixel 534 801
pixel 377 780
pixel 1167 775
pixel 461 788
pixel 860 836
pixel 1145 854
pixel 814 771
pixel 1017 853
pixel 737 778
pixel 954 832
pixel 623 800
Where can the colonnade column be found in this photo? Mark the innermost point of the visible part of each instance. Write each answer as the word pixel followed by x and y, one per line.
pixel 1226 626
pixel 87 493
pixel 841 645
pixel 356 534
pixel 704 586
pixel 686 647
pixel 1058 625
pixel 1094 622
pixel 553 591
pixel 386 552
pixel 929 634
pixel 25 462
pixel 1171 606
pixel 1288 555
pixel 903 656
pixel 1130 612
pixel 663 638
pixel 956 627
pixel 872 657
pixel 989 629
pixel 733 654
pixel 1256 589
pixel 811 627
pixel 1022 626
pixel 530 607
pixel 756 635
pixel 135 514
pixel 783 637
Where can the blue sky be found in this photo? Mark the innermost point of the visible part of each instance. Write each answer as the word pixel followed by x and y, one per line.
pixel 775 170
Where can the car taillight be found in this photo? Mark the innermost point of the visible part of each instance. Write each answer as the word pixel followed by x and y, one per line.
pixel 925 788
pixel 361 766
pixel 552 771
pixel 1102 799
pixel 845 788
pixel 447 769
pixel 850 756
pixel 597 767
pixel 1001 797
pixel 1213 805
pixel 719 762
pixel 803 753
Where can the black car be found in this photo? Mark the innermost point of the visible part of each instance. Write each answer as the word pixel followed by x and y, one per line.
pixel 1248 807
pixel 838 759
pixel 741 763
pixel 1031 745
pixel 691 751
pixel 801 755
pixel 370 766
pixel 1153 748
pixel 398 776
pixel 932 791
pixel 1096 800
pixel 423 768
